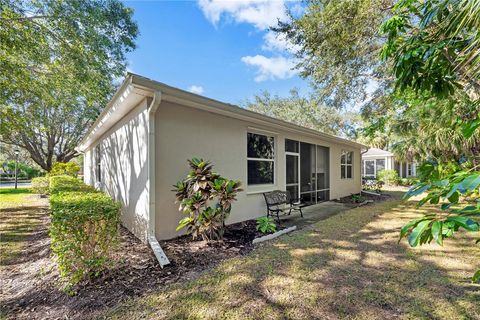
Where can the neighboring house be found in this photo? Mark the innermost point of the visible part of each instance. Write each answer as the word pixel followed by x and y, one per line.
pixel 139 146
pixel 375 160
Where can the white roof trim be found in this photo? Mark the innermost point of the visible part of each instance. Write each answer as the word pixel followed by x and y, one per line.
pixel 147 87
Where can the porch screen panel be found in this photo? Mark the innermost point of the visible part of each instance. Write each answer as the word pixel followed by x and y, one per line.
pixel 291 146
pixel 322 168
pixel 380 165
pixel 291 169
pixel 307 172
pixel 369 167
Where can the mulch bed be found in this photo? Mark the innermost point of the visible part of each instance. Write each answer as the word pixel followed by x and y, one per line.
pixel 349 200
pixel 35 290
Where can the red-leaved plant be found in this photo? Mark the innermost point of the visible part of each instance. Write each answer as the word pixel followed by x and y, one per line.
pixel 195 193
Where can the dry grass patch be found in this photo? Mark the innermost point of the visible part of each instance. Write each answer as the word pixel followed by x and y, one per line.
pixel 349 266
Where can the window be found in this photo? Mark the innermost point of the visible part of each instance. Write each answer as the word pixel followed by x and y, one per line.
pixel 98 168
pixel 409 170
pixel 346 165
pixel 291 146
pixel 260 159
pixel 369 168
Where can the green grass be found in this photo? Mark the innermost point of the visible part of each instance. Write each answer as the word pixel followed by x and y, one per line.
pixel 19 216
pixel 10 197
pixel 349 266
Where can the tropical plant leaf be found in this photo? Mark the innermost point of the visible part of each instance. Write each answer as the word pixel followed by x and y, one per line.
pixel 417 232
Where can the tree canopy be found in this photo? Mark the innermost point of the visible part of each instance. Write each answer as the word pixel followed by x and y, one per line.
pixel 59 62
pixel 306 111
pixel 435 49
pixel 339 46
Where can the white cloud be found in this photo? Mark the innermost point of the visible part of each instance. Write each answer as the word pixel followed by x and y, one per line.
pixel 278 42
pixel 271 68
pixel 261 13
pixel 196 89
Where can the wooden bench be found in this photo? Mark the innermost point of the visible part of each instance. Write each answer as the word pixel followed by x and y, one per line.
pixel 280 202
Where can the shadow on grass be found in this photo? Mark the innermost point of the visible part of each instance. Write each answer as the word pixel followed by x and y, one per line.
pixel 18 227
pixel 349 266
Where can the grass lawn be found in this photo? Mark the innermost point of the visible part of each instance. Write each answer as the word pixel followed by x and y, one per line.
pixel 350 266
pixel 19 216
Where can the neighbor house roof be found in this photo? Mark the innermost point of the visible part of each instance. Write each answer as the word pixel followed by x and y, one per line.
pixel 135 88
pixel 373 152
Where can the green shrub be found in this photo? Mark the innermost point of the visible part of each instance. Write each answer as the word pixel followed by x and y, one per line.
pixel 194 193
pixel 408 181
pixel 389 177
pixel 67 184
pixel 372 184
pixel 64 168
pixel 266 225
pixel 84 231
pixel 40 185
pixel 357 198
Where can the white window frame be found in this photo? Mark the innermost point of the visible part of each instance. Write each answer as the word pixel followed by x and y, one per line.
pixel 384 165
pixel 409 169
pixel 344 166
pixel 269 135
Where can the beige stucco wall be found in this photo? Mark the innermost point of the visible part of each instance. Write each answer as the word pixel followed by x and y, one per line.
pixel 124 167
pixel 184 132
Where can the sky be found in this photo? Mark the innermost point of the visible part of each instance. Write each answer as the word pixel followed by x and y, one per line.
pixel 220 49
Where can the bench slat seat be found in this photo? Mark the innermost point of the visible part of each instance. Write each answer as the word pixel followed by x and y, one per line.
pixel 279 201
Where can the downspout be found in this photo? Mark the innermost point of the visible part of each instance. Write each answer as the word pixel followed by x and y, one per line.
pixel 152 240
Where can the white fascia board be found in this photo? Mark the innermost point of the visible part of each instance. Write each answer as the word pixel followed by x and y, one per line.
pixel 189 99
pixel 124 101
pixel 142 87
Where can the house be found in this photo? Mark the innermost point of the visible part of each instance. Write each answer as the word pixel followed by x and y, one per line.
pixel 376 160
pixel 139 146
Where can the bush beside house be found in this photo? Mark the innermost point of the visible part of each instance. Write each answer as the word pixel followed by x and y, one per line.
pixel 388 177
pixel 40 185
pixel 84 232
pixel 68 183
pixel 65 168
pixel 196 192
pixel 84 227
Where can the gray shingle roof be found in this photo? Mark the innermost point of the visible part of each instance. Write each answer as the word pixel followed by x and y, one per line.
pixel 377 152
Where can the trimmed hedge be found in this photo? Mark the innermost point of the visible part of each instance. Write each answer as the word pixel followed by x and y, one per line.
pixel 84 231
pixel 40 185
pixel 64 168
pixel 84 228
pixel 68 183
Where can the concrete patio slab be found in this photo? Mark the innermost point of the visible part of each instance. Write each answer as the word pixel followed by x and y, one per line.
pixel 314 213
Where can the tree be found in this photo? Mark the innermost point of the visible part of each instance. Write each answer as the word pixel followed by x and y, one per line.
pixel 420 127
pixel 308 112
pixel 435 49
pixel 59 61
pixel 339 46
